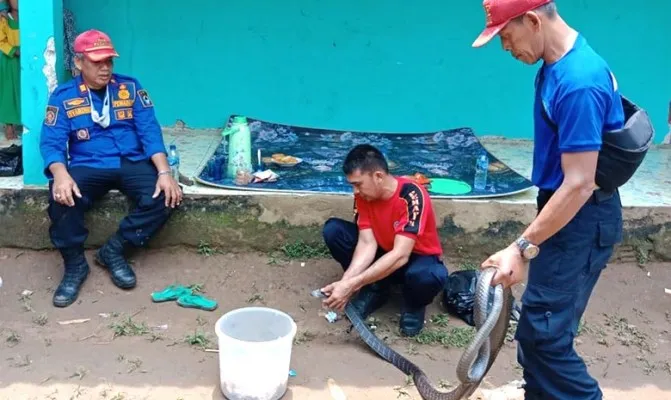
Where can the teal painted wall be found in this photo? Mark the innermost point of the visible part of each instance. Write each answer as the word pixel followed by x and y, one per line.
pixel 362 65
pixel 39 20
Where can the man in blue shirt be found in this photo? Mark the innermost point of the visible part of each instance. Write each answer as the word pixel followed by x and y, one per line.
pixel 577 226
pixel 100 133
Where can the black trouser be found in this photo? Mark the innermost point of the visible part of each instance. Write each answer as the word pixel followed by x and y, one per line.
pixel 423 277
pixel 136 179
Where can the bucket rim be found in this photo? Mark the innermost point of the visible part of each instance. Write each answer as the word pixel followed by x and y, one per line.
pixel 235 311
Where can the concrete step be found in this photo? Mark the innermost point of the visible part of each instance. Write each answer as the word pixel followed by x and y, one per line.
pixel 241 221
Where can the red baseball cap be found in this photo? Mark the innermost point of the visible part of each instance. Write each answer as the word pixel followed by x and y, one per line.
pixel 500 12
pixel 95 45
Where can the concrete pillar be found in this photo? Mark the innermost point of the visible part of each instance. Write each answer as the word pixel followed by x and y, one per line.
pixel 41 36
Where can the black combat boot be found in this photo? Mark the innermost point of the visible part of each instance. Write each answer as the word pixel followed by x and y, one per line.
pixel 412 319
pixel 111 256
pixel 370 298
pixel 76 271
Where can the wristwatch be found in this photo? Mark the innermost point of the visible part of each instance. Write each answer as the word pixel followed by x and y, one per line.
pixel 528 249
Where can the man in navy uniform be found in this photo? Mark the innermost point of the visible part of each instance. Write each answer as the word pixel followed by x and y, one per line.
pixel 570 241
pixel 100 133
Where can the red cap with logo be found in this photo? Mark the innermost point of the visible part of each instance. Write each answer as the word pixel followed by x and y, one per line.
pixel 500 12
pixel 95 45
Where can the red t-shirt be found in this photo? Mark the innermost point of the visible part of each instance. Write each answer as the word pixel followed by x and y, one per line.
pixel 408 212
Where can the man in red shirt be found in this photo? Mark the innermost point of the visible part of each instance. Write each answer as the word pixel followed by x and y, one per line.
pixel 394 239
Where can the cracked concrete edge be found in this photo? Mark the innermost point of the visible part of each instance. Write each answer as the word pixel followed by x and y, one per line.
pixel 49 68
pixel 265 223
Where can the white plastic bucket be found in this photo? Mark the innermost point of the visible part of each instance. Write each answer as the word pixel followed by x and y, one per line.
pixel 255 346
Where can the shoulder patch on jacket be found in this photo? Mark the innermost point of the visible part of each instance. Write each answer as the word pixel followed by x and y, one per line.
pixel 51 116
pixel 144 98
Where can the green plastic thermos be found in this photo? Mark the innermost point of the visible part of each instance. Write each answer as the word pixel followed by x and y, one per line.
pixel 239 147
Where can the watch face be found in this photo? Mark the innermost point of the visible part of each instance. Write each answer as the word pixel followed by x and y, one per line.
pixel 531 251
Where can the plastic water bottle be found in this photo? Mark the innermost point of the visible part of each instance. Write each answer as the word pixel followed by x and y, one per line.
pixel 481 166
pixel 173 161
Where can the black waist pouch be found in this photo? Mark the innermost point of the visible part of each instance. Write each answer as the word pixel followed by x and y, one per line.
pixel 623 150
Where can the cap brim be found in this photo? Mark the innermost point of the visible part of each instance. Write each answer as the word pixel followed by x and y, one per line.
pixel 101 55
pixel 488 34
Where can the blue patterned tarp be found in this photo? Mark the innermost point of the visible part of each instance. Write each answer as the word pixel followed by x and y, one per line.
pixel 445 154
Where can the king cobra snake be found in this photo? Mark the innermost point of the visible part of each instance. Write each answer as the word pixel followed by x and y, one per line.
pixel 492 326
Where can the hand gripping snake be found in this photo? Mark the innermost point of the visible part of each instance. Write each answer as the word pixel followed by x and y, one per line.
pixel 491 324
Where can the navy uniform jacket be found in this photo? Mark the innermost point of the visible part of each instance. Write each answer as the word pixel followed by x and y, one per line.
pixel 68 129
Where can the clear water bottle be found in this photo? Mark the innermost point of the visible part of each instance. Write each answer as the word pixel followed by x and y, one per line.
pixel 481 166
pixel 173 161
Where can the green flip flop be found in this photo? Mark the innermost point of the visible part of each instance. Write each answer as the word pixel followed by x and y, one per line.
pixel 172 292
pixel 197 301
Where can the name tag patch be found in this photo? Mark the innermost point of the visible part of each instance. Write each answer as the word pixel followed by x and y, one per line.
pixel 124 113
pixel 122 103
pixel 79 111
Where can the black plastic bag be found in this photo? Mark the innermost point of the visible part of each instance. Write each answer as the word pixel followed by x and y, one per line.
pixel 11 161
pixel 459 296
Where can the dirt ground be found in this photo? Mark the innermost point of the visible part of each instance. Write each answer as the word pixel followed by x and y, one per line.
pixel 131 348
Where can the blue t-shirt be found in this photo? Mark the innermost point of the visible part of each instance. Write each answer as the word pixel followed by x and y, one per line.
pixel 580 96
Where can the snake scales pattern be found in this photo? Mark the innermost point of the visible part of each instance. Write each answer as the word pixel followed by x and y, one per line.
pixel 477 359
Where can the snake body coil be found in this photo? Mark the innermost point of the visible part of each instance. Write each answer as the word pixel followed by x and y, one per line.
pixel 477 359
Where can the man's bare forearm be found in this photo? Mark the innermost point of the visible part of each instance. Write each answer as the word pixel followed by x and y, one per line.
pixel 364 254
pixel 382 268
pixel 58 169
pixel 559 210
pixel 160 161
